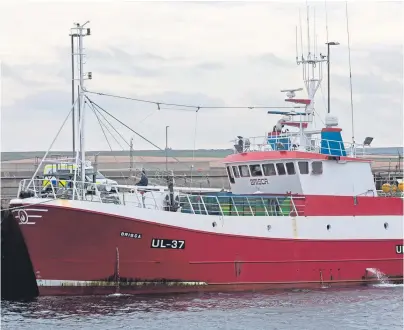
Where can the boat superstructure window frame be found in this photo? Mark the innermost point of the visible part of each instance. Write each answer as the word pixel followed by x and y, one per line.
pixel 269 169
pixel 236 172
pixel 230 174
pixel 280 168
pixel 254 171
pixel 303 167
pixel 243 173
pixel 290 168
pixel 317 167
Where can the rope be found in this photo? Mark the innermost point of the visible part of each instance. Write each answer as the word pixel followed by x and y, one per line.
pixel 196 107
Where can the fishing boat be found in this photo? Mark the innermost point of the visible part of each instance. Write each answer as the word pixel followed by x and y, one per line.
pixel 303 212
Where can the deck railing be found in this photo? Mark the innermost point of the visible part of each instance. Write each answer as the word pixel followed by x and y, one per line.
pixel 91 192
pixel 203 203
pixel 311 144
pixel 235 205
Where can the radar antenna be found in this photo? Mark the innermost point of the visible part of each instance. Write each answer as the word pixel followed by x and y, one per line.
pixel 290 93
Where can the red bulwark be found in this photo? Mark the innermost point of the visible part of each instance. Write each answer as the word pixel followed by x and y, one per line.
pixel 350 206
pixel 279 155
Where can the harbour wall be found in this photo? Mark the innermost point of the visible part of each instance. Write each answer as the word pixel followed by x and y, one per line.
pixel 203 173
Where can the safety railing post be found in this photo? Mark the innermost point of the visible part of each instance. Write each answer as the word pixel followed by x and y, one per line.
pixel 190 204
pixel 249 205
pixel 204 205
pixel 265 207
pixel 235 206
pixel 220 207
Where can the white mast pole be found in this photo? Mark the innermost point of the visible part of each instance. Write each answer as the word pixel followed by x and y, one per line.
pixel 82 90
pixel 312 77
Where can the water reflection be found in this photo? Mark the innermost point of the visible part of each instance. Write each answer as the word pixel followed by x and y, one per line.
pixel 121 305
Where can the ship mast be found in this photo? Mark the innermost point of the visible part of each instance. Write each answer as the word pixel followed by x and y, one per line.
pixel 79 31
pixel 312 75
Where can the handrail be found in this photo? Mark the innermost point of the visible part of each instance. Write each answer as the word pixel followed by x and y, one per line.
pixel 312 144
pixel 219 204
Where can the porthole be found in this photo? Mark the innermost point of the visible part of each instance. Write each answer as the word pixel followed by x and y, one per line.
pixel 214 224
pixel 386 225
pixel 328 227
pixel 269 227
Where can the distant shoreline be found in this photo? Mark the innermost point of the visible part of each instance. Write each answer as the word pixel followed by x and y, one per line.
pixel 212 153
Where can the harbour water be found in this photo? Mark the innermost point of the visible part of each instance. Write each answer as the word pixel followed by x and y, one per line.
pixel 372 307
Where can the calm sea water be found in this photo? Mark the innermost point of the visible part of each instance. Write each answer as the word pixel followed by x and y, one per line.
pixel 377 307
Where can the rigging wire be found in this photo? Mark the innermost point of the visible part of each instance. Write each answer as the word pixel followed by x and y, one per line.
pixel 350 73
pixel 152 167
pixel 53 142
pixel 122 123
pixel 196 107
pixel 141 157
pixel 109 144
pixel 124 140
pixel 103 125
pixel 193 151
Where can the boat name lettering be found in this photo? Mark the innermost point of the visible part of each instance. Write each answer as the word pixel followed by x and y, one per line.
pixel 160 243
pixel 399 249
pixel 257 182
pixel 130 235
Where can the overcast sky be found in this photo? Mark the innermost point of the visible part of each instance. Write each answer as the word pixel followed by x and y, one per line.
pixel 201 53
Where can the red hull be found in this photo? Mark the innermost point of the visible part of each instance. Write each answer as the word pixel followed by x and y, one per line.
pixel 75 245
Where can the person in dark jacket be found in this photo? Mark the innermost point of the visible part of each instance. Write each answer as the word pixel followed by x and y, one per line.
pixel 144 181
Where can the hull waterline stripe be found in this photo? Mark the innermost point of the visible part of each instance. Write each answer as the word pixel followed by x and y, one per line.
pixel 62 283
pixel 68 283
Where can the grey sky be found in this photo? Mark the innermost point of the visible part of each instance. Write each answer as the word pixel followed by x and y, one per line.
pixel 216 53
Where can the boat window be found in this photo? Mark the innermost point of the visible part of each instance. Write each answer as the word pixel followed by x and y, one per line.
pixel 236 172
pixel 317 167
pixel 256 170
pixel 290 167
pixel 244 172
pixel 304 167
pixel 269 169
pixel 230 174
pixel 280 168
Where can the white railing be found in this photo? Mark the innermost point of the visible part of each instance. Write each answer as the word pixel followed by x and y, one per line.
pixel 234 205
pixel 310 144
pixel 143 197
pixel 204 203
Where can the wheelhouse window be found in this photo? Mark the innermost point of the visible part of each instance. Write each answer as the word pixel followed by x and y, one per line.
pixel 317 167
pixel 290 168
pixel 256 170
pixel 280 167
pixel 269 169
pixel 236 172
pixel 303 167
pixel 230 174
pixel 244 172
